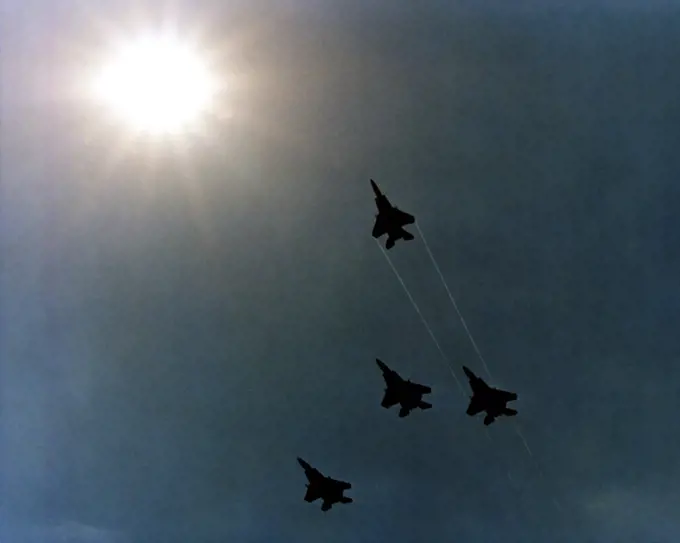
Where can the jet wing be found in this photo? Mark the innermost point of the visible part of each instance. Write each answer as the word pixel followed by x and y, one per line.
pixel 312 493
pixel 507 396
pixel 421 388
pixel 402 217
pixel 389 399
pixel 476 383
pixel 380 226
pixel 341 484
pixel 475 407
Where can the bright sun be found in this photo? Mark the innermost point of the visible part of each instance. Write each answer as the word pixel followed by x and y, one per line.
pixel 157 84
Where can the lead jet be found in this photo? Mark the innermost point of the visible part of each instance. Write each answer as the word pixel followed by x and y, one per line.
pixel 409 395
pixel 489 399
pixel 328 489
pixel 390 220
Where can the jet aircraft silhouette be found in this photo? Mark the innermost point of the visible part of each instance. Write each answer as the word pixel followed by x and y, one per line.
pixel 485 398
pixel 409 395
pixel 390 220
pixel 320 486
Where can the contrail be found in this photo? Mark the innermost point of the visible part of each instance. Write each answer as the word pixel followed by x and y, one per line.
pixel 434 339
pixel 422 318
pixel 479 354
pixel 453 301
pixel 526 445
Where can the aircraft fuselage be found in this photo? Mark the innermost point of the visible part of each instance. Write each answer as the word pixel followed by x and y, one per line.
pixel 410 396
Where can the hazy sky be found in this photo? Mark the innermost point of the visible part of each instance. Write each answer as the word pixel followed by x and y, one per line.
pixel 177 324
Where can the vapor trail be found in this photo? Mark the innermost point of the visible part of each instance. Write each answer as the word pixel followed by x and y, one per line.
pixel 479 353
pixel 429 329
pixel 422 318
pixel 453 301
pixel 526 445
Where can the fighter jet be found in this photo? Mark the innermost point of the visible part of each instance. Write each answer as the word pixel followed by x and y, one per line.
pixel 409 395
pixel 489 399
pixel 326 488
pixel 390 220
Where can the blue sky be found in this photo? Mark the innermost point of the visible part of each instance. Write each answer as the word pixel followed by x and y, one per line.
pixel 171 339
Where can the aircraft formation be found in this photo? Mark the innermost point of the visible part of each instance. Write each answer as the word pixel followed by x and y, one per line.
pixel 390 221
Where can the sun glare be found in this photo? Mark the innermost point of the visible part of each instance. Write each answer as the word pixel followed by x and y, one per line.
pixel 156 84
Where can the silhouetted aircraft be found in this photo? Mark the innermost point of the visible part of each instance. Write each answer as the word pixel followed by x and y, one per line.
pixel 390 220
pixel 489 399
pixel 409 395
pixel 319 486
